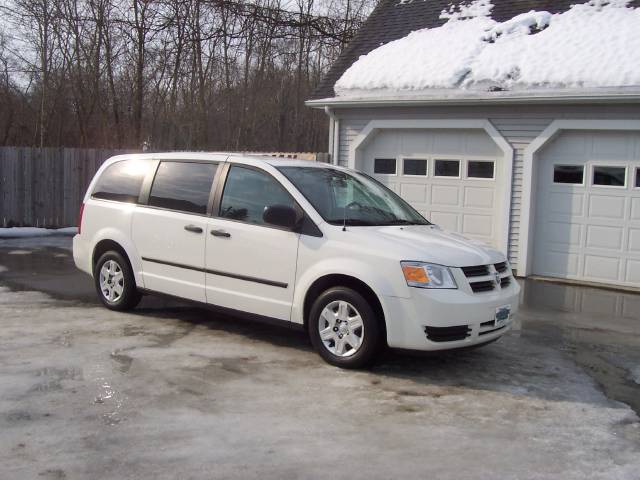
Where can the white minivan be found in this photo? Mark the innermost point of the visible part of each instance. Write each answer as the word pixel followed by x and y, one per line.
pixel 317 246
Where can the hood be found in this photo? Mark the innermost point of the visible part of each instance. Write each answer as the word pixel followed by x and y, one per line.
pixel 429 243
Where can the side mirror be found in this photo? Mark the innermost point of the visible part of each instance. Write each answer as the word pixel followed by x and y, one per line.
pixel 281 216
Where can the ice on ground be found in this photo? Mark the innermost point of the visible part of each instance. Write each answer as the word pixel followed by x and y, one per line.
pixel 32 232
pixel 635 374
pixel 592 45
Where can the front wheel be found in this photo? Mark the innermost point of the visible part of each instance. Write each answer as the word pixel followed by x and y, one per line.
pixel 344 328
pixel 115 283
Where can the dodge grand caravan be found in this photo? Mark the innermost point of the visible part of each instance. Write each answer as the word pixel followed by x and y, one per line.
pixel 317 246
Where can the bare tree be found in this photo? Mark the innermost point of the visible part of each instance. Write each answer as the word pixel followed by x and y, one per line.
pixel 176 74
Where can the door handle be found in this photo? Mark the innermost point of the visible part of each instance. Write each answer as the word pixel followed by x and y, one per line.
pixel 220 233
pixel 193 228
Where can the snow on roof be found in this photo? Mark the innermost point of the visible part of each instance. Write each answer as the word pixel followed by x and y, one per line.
pixel 591 45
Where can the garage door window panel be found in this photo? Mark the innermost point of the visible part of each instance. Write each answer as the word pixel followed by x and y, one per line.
pixel 609 176
pixel 414 167
pixel 568 174
pixel 481 169
pixel 384 166
pixel 637 184
pixel 183 186
pixel 447 168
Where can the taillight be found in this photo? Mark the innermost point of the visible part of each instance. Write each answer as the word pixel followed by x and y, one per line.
pixel 80 219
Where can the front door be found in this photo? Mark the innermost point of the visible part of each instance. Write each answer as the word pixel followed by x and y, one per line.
pixel 250 265
pixel 169 231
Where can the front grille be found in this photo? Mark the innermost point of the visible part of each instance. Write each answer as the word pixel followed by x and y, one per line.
pixel 505 282
pixel 477 271
pixel 485 286
pixel 501 267
pixel 447 334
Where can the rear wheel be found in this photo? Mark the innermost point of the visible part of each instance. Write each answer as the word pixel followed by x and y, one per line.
pixel 344 328
pixel 115 283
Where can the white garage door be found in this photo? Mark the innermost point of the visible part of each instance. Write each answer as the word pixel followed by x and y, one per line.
pixel 452 177
pixel 588 208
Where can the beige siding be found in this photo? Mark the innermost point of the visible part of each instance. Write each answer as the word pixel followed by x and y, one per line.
pixel 519 125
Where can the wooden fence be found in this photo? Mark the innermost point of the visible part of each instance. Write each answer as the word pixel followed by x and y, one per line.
pixel 45 187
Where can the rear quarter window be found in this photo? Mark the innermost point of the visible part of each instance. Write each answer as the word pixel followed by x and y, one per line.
pixel 122 181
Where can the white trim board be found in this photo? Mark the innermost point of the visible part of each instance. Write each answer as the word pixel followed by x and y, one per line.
pixel 529 175
pixel 370 130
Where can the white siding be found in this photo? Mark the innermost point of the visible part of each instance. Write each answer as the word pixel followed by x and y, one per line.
pixel 518 124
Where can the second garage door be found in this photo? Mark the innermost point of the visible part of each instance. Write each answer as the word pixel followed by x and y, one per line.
pixel 588 208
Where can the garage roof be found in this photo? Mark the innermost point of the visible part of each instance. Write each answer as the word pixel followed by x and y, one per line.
pixel 395 19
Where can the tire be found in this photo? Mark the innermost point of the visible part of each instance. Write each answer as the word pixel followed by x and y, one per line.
pixel 336 312
pixel 115 283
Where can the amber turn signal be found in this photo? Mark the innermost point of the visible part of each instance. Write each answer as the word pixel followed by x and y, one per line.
pixel 415 274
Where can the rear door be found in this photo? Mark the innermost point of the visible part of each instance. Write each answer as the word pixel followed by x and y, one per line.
pixel 169 228
pixel 251 266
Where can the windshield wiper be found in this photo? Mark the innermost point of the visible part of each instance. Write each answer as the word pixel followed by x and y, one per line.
pixel 399 221
pixel 354 222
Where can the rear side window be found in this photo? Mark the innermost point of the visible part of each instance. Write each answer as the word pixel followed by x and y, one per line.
pixel 122 181
pixel 183 186
pixel 247 192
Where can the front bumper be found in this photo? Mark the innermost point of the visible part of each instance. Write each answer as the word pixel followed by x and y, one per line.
pixel 409 319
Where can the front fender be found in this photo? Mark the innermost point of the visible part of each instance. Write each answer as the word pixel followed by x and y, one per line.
pixel 384 281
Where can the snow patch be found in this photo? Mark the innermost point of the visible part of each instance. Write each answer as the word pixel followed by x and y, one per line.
pixel 522 24
pixel 31 232
pixel 477 8
pixel 591 45
pixel 635 374
pixel 406 65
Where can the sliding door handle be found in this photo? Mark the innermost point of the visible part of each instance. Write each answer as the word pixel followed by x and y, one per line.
pixel 193 228
pixel 220 233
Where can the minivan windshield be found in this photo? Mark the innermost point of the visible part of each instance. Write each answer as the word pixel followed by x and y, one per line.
pixel 351 198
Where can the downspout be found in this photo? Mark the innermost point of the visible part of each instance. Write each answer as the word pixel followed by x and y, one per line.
pixel 334 135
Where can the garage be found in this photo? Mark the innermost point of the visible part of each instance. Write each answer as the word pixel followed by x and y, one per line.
pixel 587 207
pixel 453 177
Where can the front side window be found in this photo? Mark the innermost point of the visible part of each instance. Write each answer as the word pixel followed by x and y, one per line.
pixel 351 198
pixel 447 168
pixel 609 176
pixel 569 174
pixel 248 192
pixel 183 186
pixel 122 181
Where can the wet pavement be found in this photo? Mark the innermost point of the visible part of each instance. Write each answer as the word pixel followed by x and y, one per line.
pixel 173 391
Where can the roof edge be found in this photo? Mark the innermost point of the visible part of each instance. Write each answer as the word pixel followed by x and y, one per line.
pixel 346 102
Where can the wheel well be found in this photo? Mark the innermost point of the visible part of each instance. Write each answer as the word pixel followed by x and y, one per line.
pixel 337 280
pixel 104 246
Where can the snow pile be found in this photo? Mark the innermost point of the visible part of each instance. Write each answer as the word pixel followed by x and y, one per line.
pixel 591 45
pixel 31 232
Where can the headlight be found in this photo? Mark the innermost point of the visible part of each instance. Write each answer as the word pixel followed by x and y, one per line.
pixel 427 275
